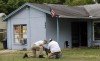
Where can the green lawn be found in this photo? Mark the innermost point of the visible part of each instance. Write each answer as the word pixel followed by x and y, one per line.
pixel 1 46
pixel 76 54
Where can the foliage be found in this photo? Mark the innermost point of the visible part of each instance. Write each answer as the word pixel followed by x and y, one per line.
pixel 98 1
pixel 2 7
pixel 79 2
pixel 14 4
pixel 7 6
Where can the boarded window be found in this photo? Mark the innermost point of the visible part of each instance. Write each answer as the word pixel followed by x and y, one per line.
pixel 20 34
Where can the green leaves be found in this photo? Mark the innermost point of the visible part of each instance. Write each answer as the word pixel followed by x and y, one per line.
pixel 98 1
pixel 2 7
pixel 79 2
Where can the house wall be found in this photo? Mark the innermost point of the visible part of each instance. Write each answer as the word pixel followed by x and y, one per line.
pixel 21 17
pixel 64 31
pixel 51 28
pixel 37 25
pixel 35 21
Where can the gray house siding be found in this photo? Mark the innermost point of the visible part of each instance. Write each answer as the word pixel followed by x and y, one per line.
pixel 19 18
pixel 51 28
pixel 37 25
pixel 65 33
pixel 35 21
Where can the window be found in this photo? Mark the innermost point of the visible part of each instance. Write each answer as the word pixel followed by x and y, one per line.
pixel 20 34
pixel 97 31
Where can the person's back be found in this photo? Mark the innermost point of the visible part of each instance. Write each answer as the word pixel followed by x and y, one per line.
pixel 38 43
pixel 54 46
pixel 55 49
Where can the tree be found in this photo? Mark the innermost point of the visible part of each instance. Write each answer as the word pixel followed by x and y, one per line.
pixel 79 2
pixel 14 4
pixel 98 1
pixel 5 1
pixel 2 7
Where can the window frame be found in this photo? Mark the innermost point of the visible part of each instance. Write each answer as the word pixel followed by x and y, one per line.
pixel 20 32
pixel 94 30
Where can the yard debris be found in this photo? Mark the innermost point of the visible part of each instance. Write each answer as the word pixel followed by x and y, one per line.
pixel 7 51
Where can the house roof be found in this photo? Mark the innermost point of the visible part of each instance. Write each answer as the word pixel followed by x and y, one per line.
pixel 64 11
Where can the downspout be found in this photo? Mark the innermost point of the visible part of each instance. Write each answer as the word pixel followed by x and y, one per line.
pixel 92 27
pixel 57 28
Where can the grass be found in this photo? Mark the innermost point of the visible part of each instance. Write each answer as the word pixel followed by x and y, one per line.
pixel 75 54
pixel 1 46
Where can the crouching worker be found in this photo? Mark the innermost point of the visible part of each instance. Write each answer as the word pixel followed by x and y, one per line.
pixel 55 51
pixel 38 46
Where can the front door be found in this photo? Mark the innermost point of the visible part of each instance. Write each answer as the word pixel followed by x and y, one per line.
pixel 79 34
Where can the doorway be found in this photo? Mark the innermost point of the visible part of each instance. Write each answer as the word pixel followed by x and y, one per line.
pixel 79 34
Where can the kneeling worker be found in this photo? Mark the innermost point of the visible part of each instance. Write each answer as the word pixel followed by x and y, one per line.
pixel 38 46
pixel 55 49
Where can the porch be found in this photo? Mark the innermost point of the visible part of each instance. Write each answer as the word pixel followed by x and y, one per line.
pixel 70 32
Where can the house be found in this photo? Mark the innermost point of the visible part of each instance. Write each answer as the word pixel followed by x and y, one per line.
pixel 70 26
pixel 2 26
